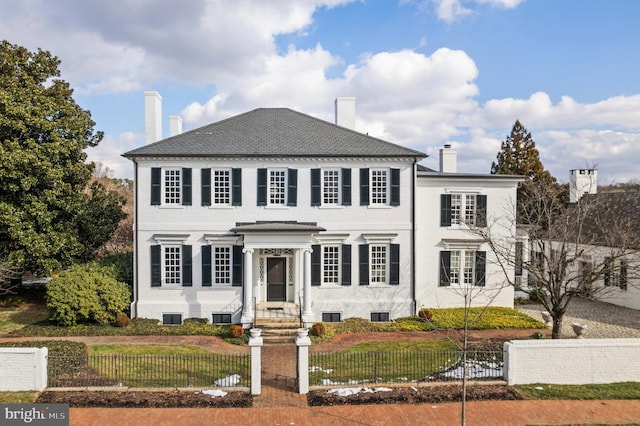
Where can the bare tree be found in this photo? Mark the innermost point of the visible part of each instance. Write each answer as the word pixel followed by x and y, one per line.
pixel 584 249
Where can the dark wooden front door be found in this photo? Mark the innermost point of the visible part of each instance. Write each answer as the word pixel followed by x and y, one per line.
pixel 276 279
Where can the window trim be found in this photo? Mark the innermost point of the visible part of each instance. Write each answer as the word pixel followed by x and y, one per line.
pixel 330 316
pixel 221 314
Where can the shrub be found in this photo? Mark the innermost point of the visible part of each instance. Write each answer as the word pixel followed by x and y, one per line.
pixel 236 330
pixel 425 314
pixel 200 321
pixel 318 329
pixel 122 320
pixel 123 265
pixel 87 293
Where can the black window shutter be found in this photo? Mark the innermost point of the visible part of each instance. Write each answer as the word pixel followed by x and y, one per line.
pixel 481 267
pixel 292 188
pixel 363 254
pixel 186 187
pixel 316 188
pixel 205 185
pixel 481 210
pixel 316 264
pixel 156 185
pixel 623 274
pixel 346 264
pixel 238 270
pixel 445 268
pixel 156 266
pixel 607 271
pixel 445 209
pixel 236 187
pixel 262 187
pixel 187 266
pixel 395 187
pixel 346 187
pixel 394 272
pixel 364 187
pixel 206 266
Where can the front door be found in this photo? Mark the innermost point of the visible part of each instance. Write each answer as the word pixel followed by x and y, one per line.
pixel 276 279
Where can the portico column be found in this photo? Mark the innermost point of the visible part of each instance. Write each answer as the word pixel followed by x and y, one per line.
pixel 307 314
pixel 247 310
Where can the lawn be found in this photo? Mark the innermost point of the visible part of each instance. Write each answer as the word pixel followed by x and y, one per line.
pixel 623 390
pixel 13 318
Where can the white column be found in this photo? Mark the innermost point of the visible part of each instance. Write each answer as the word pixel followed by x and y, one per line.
pixel 303 342
pixel 247 310
pixel 307 314
pixel 255 342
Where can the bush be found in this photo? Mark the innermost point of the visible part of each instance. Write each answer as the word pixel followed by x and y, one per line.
pixel 318 329
pixel 122 321
pixel 425 314
pixel 196 321
pixel 236 330
pixel 87 293
pixel 123 265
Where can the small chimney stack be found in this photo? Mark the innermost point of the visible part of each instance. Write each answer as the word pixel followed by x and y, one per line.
pixel 448 159
pixel 152 116
pixel 582 181
pixel 346 112
pixel 175 125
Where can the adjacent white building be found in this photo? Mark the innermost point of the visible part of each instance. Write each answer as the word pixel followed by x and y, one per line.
pixel 274 206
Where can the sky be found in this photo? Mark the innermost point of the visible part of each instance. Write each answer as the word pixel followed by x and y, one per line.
pixel 423 72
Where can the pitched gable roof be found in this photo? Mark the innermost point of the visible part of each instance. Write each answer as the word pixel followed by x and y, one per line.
pixel 272 132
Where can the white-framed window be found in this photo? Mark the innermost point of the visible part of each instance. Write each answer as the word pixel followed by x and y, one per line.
pixel 172 262
pixel 462 267
pixel 331 187
pixel 221 186
pixel 378 265
pixel 380 186
pixel 463 209
pixel 172 185
pixel 331 264
pixel 615 273
pixel 221 264
pixel 277 187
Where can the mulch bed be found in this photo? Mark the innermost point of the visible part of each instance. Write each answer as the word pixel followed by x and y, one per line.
pixel 145 399
pixel 416 395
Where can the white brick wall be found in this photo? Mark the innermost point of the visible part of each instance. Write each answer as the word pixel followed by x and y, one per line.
pixel 23 369
pixel 572 361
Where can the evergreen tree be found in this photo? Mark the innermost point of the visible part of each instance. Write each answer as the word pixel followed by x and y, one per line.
pixel 44 178
pixel 519 156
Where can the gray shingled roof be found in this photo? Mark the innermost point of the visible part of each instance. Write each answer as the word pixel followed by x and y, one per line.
pixel 272 132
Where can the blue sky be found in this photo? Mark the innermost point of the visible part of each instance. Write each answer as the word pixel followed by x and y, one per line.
pixel 424 72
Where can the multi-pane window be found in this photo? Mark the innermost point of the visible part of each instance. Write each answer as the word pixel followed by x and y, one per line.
pixel 331 264
pixel 454 272
pixel 615 273
pixel 379 187
pixel 222 265
pixel 470 209
pixel 462 267
pixel 456 207
pixel 172 186
pixel 221 319
pixel 331 317
pixel 277 187
pixel 172 265
pixel 221 186
pixel 330 187
pixel 467 271
pixel 378 264
pixel 379 316
pixel 463 209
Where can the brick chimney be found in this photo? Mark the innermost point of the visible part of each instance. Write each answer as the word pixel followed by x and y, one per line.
pixel 448 159
pixel 152 116
pixel 346 112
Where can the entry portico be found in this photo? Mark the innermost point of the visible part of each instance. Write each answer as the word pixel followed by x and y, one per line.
pixel 277 264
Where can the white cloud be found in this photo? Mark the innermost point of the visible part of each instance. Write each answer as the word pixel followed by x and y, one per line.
pixel 453 10
pixel 109 151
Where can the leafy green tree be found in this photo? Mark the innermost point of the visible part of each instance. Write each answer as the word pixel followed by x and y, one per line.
pixel 87 293
pixel 518 155
pixel 45 211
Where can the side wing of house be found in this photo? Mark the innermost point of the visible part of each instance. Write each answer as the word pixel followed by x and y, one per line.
pixel 451 261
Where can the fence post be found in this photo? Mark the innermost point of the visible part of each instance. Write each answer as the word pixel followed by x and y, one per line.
pixel 303 342
pixel 255 341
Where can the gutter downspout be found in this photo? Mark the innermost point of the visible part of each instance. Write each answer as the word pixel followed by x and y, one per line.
pixel 134 305
pixel 413 236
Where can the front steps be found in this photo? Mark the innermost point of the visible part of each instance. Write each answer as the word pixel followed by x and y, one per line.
pixel 278 322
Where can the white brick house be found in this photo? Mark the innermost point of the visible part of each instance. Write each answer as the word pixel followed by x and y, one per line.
pixel 275 206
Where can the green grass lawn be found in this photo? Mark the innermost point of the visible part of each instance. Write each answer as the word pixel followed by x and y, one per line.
pixel 622 390
pixel 166 365
pixel 18 397
pixel 14 318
